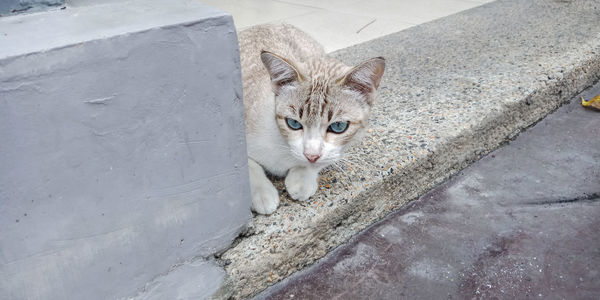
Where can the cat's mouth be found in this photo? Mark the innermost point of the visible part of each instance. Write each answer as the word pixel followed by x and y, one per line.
pixel 312 161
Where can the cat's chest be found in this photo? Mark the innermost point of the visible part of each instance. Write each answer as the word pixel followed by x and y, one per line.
pixel 271 152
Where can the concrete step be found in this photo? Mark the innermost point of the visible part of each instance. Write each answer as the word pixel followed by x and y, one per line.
pixel 520 223
pixel 454 89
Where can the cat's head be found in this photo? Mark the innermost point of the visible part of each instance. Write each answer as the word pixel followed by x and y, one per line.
pixel 321 111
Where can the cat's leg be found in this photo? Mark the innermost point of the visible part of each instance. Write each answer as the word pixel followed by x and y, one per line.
pixel 265 198
pixel 302 182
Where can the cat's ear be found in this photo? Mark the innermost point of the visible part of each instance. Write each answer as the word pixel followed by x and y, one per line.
pixel 365 77
pixel 281 71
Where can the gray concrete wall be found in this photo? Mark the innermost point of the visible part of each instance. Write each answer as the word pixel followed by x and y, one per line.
pixel 123 156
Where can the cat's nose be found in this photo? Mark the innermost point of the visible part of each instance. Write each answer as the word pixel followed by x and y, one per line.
pixel 312 157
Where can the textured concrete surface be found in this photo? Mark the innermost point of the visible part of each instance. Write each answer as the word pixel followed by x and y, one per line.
pixel 454 89
pixel 120 162
pixel 520 223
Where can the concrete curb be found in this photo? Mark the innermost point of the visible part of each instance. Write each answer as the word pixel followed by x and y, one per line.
pixel 489 232
pixel 455 89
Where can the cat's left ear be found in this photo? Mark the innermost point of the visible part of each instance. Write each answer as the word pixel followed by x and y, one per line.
pixel 281 71
pixel 365 77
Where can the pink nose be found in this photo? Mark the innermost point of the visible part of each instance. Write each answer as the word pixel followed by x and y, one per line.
pixel 312 158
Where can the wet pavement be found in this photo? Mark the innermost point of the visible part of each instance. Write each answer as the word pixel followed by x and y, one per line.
pixel 522 222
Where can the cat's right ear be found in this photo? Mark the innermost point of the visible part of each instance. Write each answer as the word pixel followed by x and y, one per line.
pixel 281 71
pixel 365 77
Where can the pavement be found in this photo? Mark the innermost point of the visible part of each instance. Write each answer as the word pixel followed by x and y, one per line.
pixel 523 222
pixel 338 24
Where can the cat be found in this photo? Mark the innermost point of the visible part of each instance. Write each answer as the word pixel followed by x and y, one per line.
pixel 302 109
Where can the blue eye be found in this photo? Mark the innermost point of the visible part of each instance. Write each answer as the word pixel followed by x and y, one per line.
pixel 338 127
pixel 293 124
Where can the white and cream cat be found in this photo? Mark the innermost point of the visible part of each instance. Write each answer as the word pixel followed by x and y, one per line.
pixel 302 109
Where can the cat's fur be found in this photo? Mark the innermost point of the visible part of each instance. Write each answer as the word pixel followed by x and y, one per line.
pixel 286 74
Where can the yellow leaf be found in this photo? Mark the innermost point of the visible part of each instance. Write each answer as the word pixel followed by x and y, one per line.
pixel 592 103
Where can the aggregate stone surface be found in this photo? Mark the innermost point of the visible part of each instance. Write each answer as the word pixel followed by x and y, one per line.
pixel 453 90
pixel 521 223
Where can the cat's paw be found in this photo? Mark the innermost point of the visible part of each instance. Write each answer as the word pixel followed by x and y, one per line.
pixel 265 198
pixel 301 184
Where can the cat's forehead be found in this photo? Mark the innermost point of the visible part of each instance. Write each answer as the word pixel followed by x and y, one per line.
pixel 318 98
pixel 325 70
pixel 319 88
pixel 312 103
pixel 320 101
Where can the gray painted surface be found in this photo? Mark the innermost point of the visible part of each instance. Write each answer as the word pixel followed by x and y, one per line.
pixel 123 152
pixel 20 6
pixel 196 280
pixel 77 3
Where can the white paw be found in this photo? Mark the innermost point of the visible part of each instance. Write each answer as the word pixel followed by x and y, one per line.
pixel 301 185
pixel 265 198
